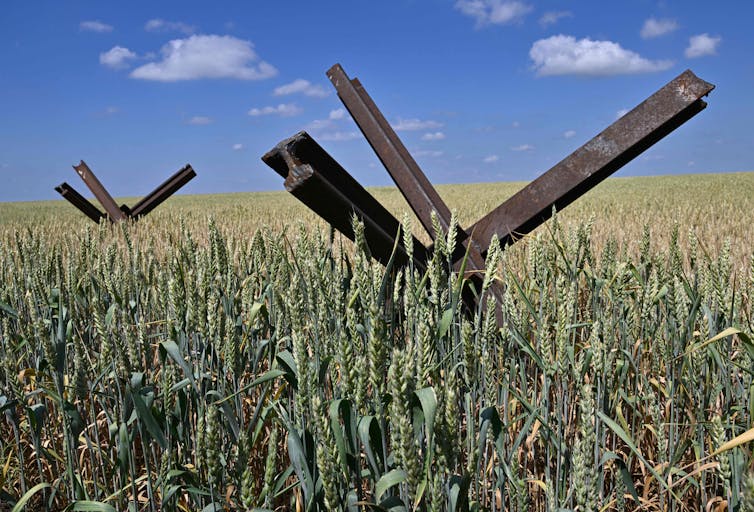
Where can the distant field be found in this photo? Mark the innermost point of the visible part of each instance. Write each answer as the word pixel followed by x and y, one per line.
pixel 715 206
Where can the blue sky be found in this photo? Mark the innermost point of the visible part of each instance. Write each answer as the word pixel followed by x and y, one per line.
pixel 479 90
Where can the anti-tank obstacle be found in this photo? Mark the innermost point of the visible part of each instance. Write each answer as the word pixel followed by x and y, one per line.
pixel 113 211
pixel 314 177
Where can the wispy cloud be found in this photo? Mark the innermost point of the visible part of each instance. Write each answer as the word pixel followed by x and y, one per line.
pixel 338 136
pixel 656 28
pixel 337 114
pixel 491 159
pixel 116 57
pixel 237 147
pixel 552 17
pixel 622 112
pixel 282 110
pixel 414 124
pixel 108 111
pixel 429 153
pixel 318 125
pixel 523 147
pixel 701 45
pixel 565 55
pixel 95 26
pixel 160 25
pixel 301 86
pixel 327 129
pixel 433 136
pixel 200 120
pixel 206 56
pixel 493 12
pixel 569 134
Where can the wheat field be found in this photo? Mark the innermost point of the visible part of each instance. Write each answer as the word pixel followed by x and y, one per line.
pixel 218 355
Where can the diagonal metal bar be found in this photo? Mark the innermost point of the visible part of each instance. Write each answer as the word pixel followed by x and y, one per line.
pixel 657 116
pixel 319 181
pixel 404 170
pixel 72 196
pixel 161 193
pixel 99 191
pixel 406 173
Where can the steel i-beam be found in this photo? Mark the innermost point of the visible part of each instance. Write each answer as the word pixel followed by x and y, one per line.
pixel 318 181
pixel 99 191
pixel 162 192
pixel 406 173
pixel 72 196
pixel 618 144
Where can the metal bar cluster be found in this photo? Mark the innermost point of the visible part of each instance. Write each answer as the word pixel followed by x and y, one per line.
pixel 406 173
pixel 318 181
pixel 321 183
pixel 113 211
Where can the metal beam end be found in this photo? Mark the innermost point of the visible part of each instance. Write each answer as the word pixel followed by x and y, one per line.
pixel 297 176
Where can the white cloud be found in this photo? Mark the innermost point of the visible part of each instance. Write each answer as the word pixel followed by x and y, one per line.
pixel 209 56
pixel 552 17
pixel 338 136
pixel 160 25
pixel 116 57
pixel 656 28
pixel 282 110
pixel 200 120
pixel 95 26
pixel 495 12
pixel 523 147
pixel 337 114
pixel 415 124
pixel 491 159
pixel 568 134
pixel 237 147
pixel 301 86
pixel 622 112
pixel 564 55
pixel 433 136
pixel 319 124
pixel 702 45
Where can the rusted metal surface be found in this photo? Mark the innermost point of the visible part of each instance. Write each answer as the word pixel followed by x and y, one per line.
pixel 99 191
pixel 621 142
pixel 115 212
pixel 329 190
pixel 161 193
pixel 321 183
pixel 403 169
pixel 72 196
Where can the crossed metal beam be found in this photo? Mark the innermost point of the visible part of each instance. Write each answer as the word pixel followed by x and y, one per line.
pixel 321 183
pixel 114 212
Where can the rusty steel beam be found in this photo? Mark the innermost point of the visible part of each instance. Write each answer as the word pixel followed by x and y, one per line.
pixel 406 173
pixel 404 170
pixel 72 196
pixel 99 191
pixel 161 193
pixel 319 181
pixel 621 142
